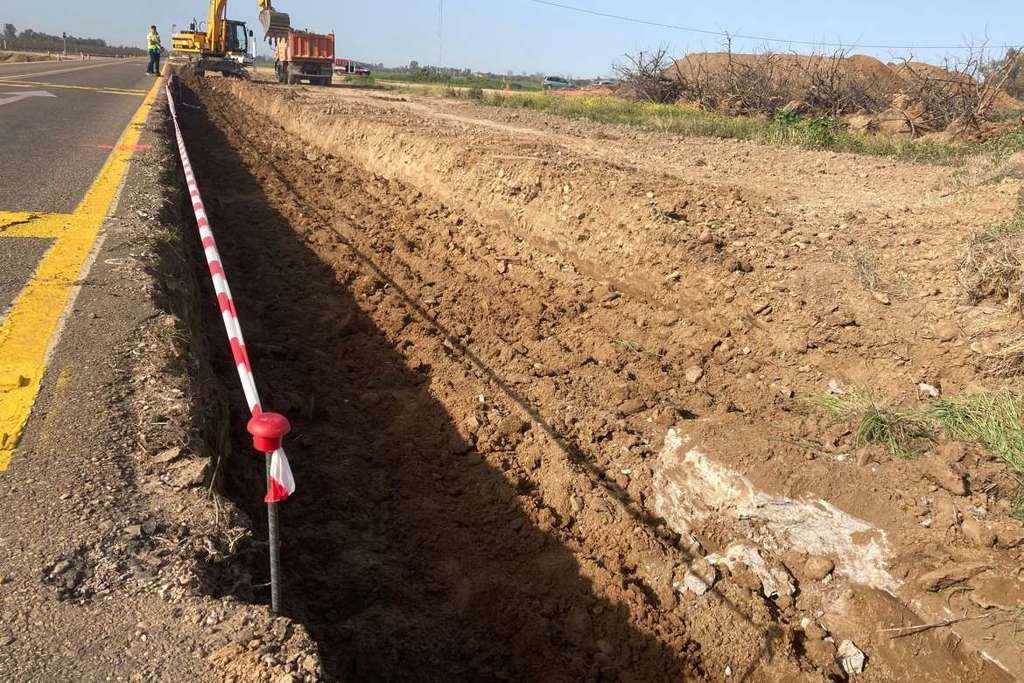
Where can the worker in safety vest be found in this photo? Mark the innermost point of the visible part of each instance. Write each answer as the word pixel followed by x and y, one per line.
pixel 153 39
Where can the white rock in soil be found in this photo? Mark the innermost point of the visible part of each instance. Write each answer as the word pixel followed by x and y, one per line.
pixel 700 578
pixel 928 391
pixel 836 388
pixel 694 374
pixel 850 658
pixel 775 581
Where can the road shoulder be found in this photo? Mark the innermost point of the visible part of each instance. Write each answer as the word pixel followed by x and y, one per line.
pixel 115 542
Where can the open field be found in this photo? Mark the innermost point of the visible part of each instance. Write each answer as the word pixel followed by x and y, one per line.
pixel 578 397
pixel 516 85
pixel 820 133
pixel 580 388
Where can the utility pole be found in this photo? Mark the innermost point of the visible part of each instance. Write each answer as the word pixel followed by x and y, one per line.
pixel 64 35
pixel 440 35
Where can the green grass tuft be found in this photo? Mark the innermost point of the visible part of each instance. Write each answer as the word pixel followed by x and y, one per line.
pixel 905 433
pixel 993 419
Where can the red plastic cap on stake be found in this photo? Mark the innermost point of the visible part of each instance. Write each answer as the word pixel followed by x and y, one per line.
pixel 268 429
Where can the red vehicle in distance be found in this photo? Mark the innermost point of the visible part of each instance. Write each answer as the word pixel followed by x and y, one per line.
pixel 345 66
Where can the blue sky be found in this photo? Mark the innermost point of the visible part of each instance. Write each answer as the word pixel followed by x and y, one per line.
pixel 524 36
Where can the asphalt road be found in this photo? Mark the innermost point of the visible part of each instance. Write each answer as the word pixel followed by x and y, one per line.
pixel 59 121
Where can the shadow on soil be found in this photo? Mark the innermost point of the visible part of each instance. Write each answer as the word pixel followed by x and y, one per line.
pixel 406 555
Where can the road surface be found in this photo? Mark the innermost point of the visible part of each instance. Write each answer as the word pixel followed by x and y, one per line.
pixel 57 137
pixel 69 130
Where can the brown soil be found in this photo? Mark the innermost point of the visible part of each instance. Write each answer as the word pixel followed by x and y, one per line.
pixel 484 326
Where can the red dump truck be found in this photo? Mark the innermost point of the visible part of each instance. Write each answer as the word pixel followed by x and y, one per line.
pixel 304 56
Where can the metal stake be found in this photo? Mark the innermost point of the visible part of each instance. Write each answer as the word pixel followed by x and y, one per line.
pixel 275 550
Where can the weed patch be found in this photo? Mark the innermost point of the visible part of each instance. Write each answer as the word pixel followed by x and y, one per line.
pixel 992 264
pixel 904 432
pixel 993 419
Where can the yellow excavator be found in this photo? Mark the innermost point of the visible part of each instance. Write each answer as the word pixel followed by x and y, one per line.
pixel 223 44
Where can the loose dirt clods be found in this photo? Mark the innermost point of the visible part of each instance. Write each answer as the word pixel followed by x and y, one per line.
pixel 553 394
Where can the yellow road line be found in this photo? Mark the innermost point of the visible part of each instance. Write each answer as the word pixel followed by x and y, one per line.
pixel 30 224
pixel 33 320
pixel 39 84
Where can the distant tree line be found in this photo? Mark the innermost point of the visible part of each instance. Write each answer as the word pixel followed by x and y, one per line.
pixel 31 40
pixel 426 72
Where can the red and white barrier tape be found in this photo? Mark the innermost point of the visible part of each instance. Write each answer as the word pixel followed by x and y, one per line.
pixel 280 483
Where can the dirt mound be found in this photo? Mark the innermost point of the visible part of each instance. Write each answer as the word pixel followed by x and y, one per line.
pixel 796 69
pixel 18 57
pixel 880 80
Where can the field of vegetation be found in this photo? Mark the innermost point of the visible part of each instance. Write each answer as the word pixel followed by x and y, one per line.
pixel 811 132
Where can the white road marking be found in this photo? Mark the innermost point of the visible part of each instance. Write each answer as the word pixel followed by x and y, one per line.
pixel 14 97
pixel 69 69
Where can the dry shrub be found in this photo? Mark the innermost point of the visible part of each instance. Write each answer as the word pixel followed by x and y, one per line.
pixel 833 84
pixel 992 265
pixel 1007 361
pixel 961 94
pixel 643 76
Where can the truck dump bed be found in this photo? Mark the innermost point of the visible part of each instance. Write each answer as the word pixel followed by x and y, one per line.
pixel 304 46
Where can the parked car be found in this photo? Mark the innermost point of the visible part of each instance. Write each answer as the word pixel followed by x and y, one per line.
pixel 344 66
pixel 556 83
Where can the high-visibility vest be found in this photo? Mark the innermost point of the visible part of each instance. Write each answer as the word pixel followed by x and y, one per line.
pixel 154 40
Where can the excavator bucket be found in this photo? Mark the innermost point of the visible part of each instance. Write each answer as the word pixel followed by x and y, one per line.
pixel 275 24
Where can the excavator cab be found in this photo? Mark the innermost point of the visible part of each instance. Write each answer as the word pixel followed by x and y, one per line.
pixel 194 42
pixel 236 38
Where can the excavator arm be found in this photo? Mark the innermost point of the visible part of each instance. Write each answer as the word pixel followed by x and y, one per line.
pixel 275 24
pixel 216 27
pixel 223 46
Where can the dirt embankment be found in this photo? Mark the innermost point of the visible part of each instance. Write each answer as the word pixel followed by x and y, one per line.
pixel 18 57
pixel 545 395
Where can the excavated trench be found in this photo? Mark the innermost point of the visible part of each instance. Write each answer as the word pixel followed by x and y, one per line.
pixel 408 553
pixel 476 432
